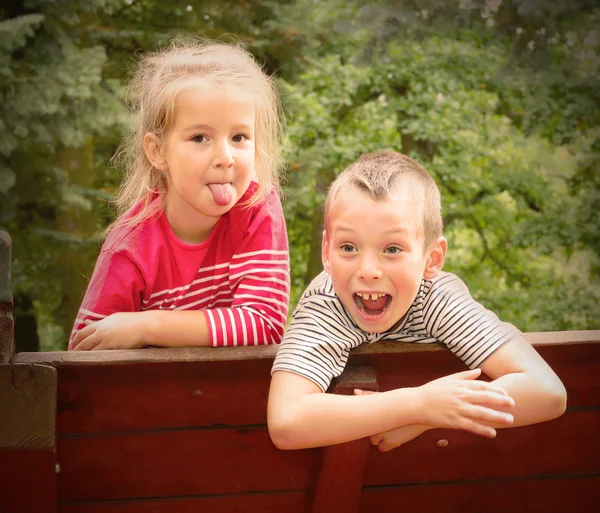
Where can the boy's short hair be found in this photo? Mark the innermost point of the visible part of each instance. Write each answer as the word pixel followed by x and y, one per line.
pixel 379 174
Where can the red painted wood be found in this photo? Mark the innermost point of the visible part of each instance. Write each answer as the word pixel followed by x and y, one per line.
pixel 567 445
pixel 277 502
pixel 340 480
pixel 27 481
pixel 102 398
pixel 578 366
pixel 566 495
pixel 179 463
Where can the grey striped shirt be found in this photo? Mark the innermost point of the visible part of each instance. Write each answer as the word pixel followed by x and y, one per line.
pixel 322 333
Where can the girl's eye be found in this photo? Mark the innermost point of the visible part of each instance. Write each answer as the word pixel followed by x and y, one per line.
pixel 347 248
pixel 239 138
pixel 199 138
pixel 393 250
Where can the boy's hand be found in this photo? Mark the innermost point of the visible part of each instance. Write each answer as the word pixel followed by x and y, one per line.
pixel 122 330
pixel 459 401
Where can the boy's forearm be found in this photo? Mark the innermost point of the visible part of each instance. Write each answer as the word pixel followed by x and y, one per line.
pixel 175 328
pixel 315 420
pixel 538 398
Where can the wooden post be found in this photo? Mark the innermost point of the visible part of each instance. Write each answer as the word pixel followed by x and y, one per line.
pixel 340 480
pixel 27 417
pixel 6 304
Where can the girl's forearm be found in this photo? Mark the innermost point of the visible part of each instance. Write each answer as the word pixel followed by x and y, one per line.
pixel 176 328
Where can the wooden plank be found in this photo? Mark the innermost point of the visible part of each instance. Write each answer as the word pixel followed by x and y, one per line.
pixel 567 445
pixel 150 355
pixel 101 398
pixel 179 463
pixel 27 406
pixel 340 480
pixel 276 502
pixel 104 398
pixel 578 366
pixel 27 438
pixel 578 494
pixel 27 481
pixel 6 303
pixel 266 352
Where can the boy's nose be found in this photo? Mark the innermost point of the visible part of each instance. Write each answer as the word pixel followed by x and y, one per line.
pixel 370 268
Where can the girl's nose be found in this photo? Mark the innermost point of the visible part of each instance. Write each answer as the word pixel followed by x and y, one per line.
pixel 223 157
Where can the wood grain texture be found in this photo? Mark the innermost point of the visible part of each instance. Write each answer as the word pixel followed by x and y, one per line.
pixel 27 481
pixel 341 476
pixel 180 463
pixel 577 494
pixel 27 406
pixel 109 398
pixel 270 502
pixel 267 352
pixel 6 303
pixel 577 365
pixel 567 445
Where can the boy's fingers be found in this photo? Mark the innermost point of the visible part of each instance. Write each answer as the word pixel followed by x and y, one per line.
pixel 477 428
pixel 358 391
pixel 489 415
pixel 492 397
pixel 484 385
pixel 376 439
pixel 468 374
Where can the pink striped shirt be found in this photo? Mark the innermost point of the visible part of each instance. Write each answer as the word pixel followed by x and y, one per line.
pixel 239 276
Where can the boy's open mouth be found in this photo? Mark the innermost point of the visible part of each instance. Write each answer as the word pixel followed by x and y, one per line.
pixel 372 304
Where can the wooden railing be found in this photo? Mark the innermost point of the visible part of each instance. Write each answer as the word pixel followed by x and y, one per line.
pixel 184 430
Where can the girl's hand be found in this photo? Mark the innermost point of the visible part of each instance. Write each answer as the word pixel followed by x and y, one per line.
pixel 124 330
pixel 459 401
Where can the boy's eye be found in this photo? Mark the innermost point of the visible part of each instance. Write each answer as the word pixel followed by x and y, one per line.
pixel 393 250
pixel 347 248
pixel 239 138
pixel 199 138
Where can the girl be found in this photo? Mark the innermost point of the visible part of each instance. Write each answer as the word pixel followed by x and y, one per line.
pixel 198 255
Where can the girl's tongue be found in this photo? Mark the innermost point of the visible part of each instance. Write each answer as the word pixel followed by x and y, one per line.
pixel 222 193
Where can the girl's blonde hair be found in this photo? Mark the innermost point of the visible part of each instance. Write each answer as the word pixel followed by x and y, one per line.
pixel 159 77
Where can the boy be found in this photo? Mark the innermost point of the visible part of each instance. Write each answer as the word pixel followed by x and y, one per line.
pixel 383 253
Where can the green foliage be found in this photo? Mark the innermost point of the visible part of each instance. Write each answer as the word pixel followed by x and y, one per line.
pixel 498 99
pixel 503 135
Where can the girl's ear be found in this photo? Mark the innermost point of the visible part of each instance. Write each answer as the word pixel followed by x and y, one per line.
pixel 325 253
pixel 154 152
pixel 435 258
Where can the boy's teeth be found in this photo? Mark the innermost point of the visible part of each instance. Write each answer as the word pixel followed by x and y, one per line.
pixel 373 297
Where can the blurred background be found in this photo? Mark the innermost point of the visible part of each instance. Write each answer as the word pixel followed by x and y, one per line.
pixel 498 99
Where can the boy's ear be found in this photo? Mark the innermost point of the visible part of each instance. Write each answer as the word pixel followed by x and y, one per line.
pixel 154 151
pixel 325 253
pixel 435 258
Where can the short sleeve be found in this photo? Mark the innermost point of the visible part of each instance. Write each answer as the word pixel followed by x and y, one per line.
pixel 318 341
pixel 116 286
pixel 467 328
